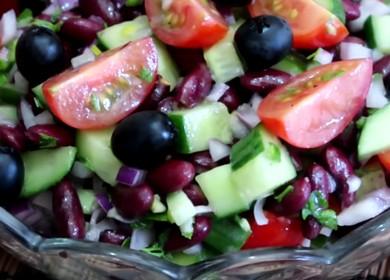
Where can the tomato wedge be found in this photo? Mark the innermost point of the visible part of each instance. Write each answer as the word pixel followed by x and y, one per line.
pixel 317 105
pixel 186 23
pixel 105 91
pixel 279 232
pixel 313 26
pixel 384 158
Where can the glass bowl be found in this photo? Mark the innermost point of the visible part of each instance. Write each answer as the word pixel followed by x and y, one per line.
pixel 68 259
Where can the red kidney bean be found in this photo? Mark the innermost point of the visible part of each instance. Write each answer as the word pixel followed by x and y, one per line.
pixel 81 30
pixel 264 81
pixel 13 137
pixel 102 8
pixel 67 15
pixel 67 211
pixel 186 59
pixel 118 4
pixel 194 87
pixel 230 99
pixel 338 164
pixel 176 241
pixel 195 194
pixel 160 91
pixel 348 139
pixel 114 237
pixel 132 202
pixel 382 66
pixel 173 175
pixel 202 161
pixel 311 228
pixel 61 136
pixel 167 105
pixel 296 200
pixel 321 180
pixel 351 9
pixel 296 160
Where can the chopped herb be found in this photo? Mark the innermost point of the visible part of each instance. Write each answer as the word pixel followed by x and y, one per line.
pixel 47 141
pixel 25 18
pixel 279 198
pixel 158 217
pixel 155 250
pixel 4 65
pixel 56 15
pixel 46 24
pixel 317 207
pixel 133 3
pixel 319 242
pixel 146 75
pixel 273 152
pixel 12 50
pixel 332 74
pixel 361 122
pixel 3 79
pixel 95 103
pixel 126 243
pixel 142 224
pixel 95 50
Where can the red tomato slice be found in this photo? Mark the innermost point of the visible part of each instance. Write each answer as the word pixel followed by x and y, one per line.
pixel 279 232
pixel 313 26
pixel 105 91
pixel 317 105
pixel 186 23
pixel 384 158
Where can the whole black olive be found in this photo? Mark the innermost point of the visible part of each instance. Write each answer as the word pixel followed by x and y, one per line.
pixel 11 174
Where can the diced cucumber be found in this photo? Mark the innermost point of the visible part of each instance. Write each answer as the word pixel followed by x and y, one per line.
pixel 220 191
pixel 122 33
pixel 227 235
pixel 10 94
pixel 94 148
pixel 377 32
pixel 183 259
pixel 87 200
pixel 198 125
pixel 138 28
pixel 44 168
pixel 293 64
pixel 372 176
pixel 223 60
pixel 180 208
pixel 38 92
pixel 336 7
pixel 157 206
pixel 260 164
pixel 374 138
pixel 9 113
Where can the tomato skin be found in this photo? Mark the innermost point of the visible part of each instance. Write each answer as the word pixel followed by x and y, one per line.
pixel 384 158
pixel 201 25
pixel 279 232
pixel 311 110
pixel 313 26
pixel 114 80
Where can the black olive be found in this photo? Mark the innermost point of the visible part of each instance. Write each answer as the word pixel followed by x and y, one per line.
pixel 263 41
pixel 144 139
pixel 39 55
pixel 11 174
pixel 386 81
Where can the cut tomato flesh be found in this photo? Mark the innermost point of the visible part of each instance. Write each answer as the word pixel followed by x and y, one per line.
pixel 105 91
pixel 317 105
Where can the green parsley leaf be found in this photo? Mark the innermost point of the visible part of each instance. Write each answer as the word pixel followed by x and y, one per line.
pixel 141 224
pixel 327 218
pixel 279 198
pixel 47 141
pixel 146 75
pixel 3 79
pixel 25 18
pixel 155 250
pixel 133 3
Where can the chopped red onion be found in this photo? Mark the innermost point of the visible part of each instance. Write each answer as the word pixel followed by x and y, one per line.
pixel 354 183
pixel 306 243
pixel 239 129
pixel 44 200
pixel 84 58
pixel 141 238
pixel 67 5
pixel 79 170
pixel 217 91
pixel 248 115
pixel 94 230
pixel 130 176
pixel 4 53
pixel 258 212
pixel 203 209
pixel 354 51
pixel 104 202
pixel 376 97
pixel 326 231
pixel 218 150
pixel 369 207
pixel 113 214
pixel 367 8
pixel 44 118
pixel 8 27
pixel 323 56
pixel 96 216
pixel 20 82
pixel 194 250
pixel 255 101
pixel 52 9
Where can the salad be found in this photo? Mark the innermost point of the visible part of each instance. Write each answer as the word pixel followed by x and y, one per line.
pixel 187 129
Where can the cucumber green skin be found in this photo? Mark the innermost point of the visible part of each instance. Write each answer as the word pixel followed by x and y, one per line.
pixel 10 94
pixel 38 92
pixel 260 176
pixel 87 200
pixel 374 137
pixel 94 149
pixel 196 126
pixel 335 7
pixel 9 112
pixel 45 168
pixel 180 208
pixel 138 28
pixel 292 64
pixel 223 196
pixel 376 29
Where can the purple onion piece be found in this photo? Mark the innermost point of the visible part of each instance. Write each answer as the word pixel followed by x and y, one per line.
pixel 130 176
pixel 104 202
